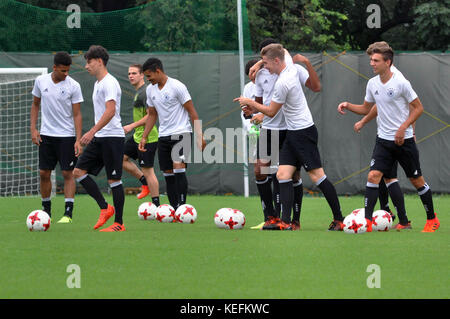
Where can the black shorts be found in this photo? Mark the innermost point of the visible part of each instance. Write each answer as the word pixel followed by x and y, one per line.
pixel 300 149
pixel 175 148
pixel 57 149
pixel 264 145
pixel 103 151
pixel 386 154
pixel 144 159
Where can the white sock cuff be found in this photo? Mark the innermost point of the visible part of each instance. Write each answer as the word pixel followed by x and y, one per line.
pixel 168 174
pixel 423 191
pixel 282 181
pixel 79 179
pixel 115 184
pixel 46 199
pixel 69 200
pixel 372 185
pixel 179 170
pixel 263 181
pixel 324 177
pixel 389 184
pixel 298 183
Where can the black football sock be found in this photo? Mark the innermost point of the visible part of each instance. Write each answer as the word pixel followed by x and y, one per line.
pixel 287 199
pixel 298 198
pixel 182 185
pixel 171 188
pixel 155 201
pixel 265 193
pixel 68 208
pixel 383 196
pixel 399 201
pixel 91 187
pixel 143 180
pixel 118 195
pixel 330 194
pixel 276 196
pixel 370 199
pixel 427 200
pixel 47 206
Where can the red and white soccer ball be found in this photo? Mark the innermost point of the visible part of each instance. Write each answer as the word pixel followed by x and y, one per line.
pixel 38 220
pixel 229 218
pixel 381 220
pixel 147 211
pixel 359 212
pixel 165 213
pixel 355 223
pixel 186 214
pixel 239 217
pixel 221 215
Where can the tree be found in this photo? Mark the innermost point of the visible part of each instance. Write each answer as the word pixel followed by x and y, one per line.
pixel 432 22
pixel 300 25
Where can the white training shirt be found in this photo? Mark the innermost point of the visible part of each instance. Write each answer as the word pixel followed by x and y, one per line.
pixel 392 100
pixel 106 90
pixel 288 91
pixel 56 104
pixel 168 102
pixel 265 83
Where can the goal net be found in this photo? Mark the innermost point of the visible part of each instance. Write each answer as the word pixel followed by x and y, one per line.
pixel 19 157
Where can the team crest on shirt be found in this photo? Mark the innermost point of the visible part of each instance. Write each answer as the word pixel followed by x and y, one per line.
pixel 391 92
pixel 166 97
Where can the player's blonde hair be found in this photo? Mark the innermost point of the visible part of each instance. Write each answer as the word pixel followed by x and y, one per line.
pixel 272 51
pixel 382 48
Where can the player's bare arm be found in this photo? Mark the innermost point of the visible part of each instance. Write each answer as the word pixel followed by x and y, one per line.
pixel 361 109
pixel 128 128
pixel 189 106
pixel 415 110
pixel 313 82
pixel 366 119
pixel 34 113
pixel 110 110
pixel 254 69
pixel 150 121
pixel 78 122
pixel 270 110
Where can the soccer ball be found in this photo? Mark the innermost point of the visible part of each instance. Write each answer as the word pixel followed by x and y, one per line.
pixel 355 224
pixel 147 211
pixel 186 214
pixel 165 213
pixel 359 212
pixel 232 218
pixel 239 217
pixel 38 220
pixel 381 220
pixel 221 215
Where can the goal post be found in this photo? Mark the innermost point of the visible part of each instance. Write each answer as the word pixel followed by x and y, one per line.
pixel 19 157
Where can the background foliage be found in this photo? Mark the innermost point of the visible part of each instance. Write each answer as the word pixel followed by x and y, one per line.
pixel 307 25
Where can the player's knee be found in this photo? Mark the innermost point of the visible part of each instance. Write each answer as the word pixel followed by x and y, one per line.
pixel 283 175
pixel 374 177
pixel 67 175
pixel 77 173
pixel 45 175
pixel 417 182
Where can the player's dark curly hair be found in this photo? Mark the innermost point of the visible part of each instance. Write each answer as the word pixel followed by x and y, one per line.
pixel 97 52
pixel 62 58
pixel 152 64
pixel 249 65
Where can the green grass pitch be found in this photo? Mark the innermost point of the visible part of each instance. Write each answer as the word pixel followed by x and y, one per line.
pixel 155 260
